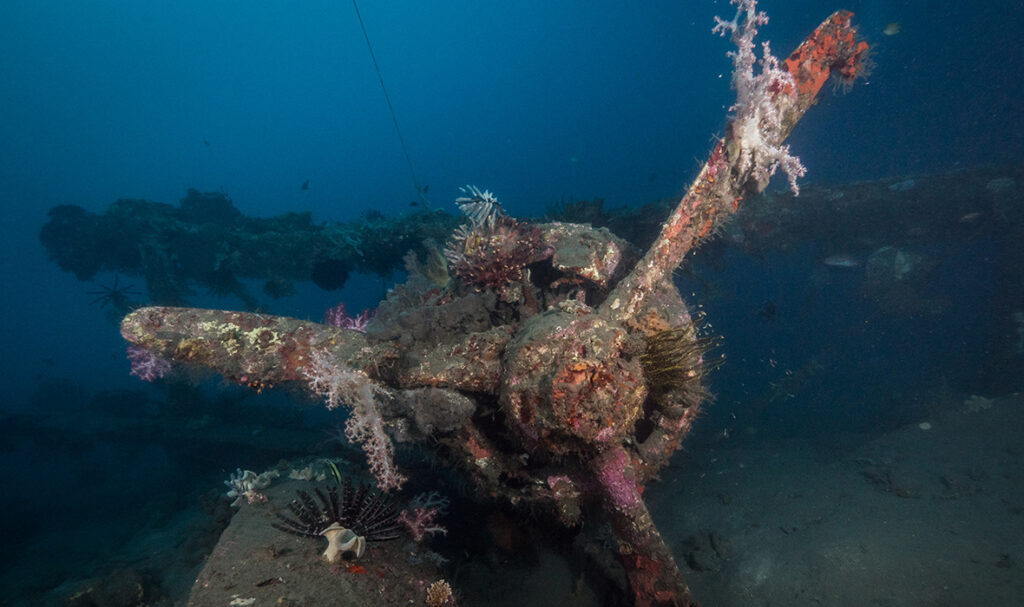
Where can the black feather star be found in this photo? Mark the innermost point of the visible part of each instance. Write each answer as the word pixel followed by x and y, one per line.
pixel 347 521
pixel 117 295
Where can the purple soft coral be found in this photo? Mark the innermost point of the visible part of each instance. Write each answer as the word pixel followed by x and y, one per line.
pixel 337 317
pixel 146 365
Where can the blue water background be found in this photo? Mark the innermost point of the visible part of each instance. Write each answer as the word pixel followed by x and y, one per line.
pixel 538 102
pixel 535 101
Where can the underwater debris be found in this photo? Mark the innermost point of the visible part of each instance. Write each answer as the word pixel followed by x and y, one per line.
pixel 348 520
pixel 540 356
pixel 205 241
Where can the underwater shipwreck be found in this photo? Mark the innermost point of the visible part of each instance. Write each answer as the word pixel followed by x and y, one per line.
pixel 552 363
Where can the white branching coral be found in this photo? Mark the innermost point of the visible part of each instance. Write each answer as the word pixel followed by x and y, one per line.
pixel 246 485
pixel 340 385
pixel 756 125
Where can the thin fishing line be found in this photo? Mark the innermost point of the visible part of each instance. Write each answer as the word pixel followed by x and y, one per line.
pixel 401 139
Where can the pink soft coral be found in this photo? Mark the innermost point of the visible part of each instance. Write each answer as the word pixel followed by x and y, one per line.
pixel 146 365
pixel 338 317
pixel 756 124
pixel 341 385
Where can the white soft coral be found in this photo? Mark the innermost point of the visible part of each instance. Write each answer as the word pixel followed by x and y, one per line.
pixel 341 385
pixel 757 127
pixel 246 485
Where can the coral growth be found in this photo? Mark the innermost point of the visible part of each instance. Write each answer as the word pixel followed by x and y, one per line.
pixel 146 365
pixel 420 517
pixel 247 485
pixel 756 124
pixel 439 594
pixel 116 295
pixel 364 426
pixel 674 360
pixel 338 317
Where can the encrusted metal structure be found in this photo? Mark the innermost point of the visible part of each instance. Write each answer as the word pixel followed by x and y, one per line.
pixel 558 369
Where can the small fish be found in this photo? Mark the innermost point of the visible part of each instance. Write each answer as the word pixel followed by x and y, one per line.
pixel 205 142
pixel 841 261
pixel 305 185
pixel 413 203
pixel 652 177
pixel 426 188
pixel 767 312
pixel 334 471
pixel 903 186
pixel 968 218
pixel 892 28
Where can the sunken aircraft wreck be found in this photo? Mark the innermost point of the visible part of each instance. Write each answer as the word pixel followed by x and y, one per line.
pixel 551 364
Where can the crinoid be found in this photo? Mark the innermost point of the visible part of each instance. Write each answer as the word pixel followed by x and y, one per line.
pixel 676 360
pixel 116 295
pixel 347 521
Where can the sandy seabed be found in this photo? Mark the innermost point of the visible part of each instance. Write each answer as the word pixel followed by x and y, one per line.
pixel 928 514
